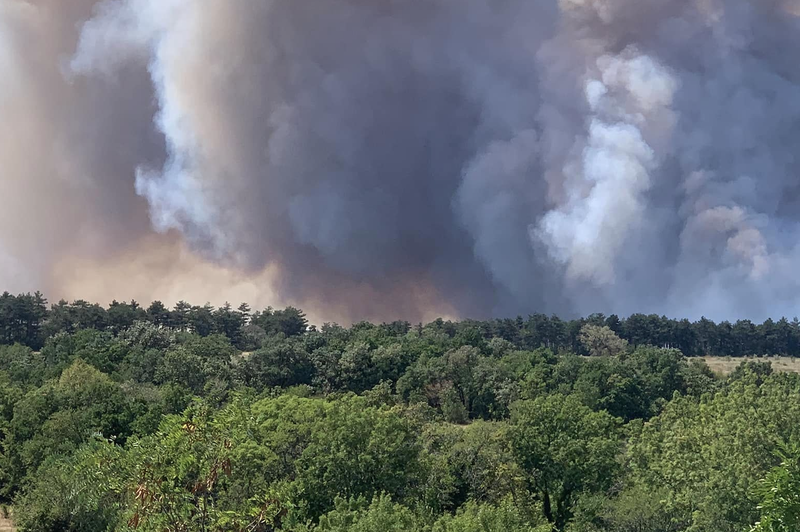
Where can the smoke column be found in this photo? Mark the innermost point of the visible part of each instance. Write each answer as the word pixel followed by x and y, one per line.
pixel 386 159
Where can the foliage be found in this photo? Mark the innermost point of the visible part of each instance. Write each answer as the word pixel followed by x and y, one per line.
pixel 780 494
pixel 505 517
pixel 354 516
pixel 601 341
pixel 710 454
pixel 80 492
pixel 565 449
pixel 221 419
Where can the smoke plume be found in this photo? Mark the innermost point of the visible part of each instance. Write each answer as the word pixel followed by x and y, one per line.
pixel 405 158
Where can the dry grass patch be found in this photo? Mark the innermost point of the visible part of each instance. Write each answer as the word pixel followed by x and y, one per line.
pixel 5 519
pixel 726 365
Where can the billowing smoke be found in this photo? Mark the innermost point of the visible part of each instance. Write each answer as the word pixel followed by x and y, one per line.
pixel 405 158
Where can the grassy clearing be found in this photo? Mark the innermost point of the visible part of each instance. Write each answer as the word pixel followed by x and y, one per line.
pixel 726 365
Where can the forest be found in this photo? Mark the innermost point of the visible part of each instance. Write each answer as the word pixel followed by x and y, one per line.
pixel 195 418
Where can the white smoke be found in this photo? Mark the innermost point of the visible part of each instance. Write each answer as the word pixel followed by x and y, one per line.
pixel 606 200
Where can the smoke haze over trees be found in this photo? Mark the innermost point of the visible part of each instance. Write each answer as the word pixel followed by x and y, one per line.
pixel 387 159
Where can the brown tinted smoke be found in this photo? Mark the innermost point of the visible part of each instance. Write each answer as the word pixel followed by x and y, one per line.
pixel 386 158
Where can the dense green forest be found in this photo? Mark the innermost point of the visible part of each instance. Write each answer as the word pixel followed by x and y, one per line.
pixel 202 419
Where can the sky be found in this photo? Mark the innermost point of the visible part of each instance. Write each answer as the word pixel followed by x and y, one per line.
pixel 396 159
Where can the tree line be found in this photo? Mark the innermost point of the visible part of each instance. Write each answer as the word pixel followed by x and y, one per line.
pixel 28 320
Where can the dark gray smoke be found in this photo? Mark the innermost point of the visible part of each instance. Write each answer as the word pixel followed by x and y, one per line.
pixel 397 158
